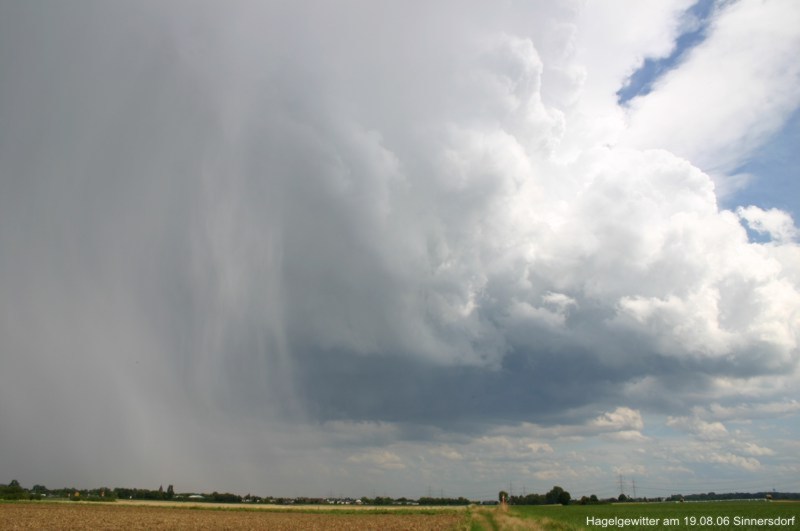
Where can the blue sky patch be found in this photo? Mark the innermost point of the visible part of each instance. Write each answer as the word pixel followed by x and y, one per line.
pixel 696 20
pixel 774 168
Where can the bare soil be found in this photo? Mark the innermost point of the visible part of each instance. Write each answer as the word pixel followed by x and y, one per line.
pixel 38 515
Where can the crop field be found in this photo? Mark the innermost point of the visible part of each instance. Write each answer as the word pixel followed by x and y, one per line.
pixel 112 516
pixel 711 516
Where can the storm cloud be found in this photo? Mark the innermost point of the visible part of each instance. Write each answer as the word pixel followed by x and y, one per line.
pixel 301 247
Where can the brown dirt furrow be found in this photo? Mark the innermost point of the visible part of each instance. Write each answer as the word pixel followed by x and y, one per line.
pixel 76 516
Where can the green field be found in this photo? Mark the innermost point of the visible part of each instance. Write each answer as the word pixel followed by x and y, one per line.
pixel 716 516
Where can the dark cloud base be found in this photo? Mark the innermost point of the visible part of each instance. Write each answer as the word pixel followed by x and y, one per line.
pixel 547 388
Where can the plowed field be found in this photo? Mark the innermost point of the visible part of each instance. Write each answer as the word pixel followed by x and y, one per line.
pixel 110 516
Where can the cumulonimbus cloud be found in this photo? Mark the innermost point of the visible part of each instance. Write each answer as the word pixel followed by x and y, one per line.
pixel 304 213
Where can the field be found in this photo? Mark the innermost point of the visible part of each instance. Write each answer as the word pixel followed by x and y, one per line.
pixel 711 516
pixel 716 516
pixel 111 516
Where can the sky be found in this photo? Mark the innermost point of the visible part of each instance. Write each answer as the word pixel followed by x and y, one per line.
pixel 400 248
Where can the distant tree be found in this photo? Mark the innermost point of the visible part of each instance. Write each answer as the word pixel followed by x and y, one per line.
pixel 622 497
pixel 591 500
pixel 13 491
pixel 171 493
pixel 557 495
pixel 224 497
pixel 439 501
pixel 533 499
pixel 502 496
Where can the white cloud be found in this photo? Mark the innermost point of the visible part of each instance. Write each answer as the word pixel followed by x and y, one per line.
pixel 748 411
pixel 775 223
pixel 628 436
pixel 540 448
pixel 597 72
pixel 447 452
pixel 621 419
pixel 558 473
pixel 631 470
pixel 738 461
pixel 749 448
pixel 706 431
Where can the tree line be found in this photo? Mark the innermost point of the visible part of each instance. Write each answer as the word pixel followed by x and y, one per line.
pixel 14 491
pixel 713 496
pixel 557 495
